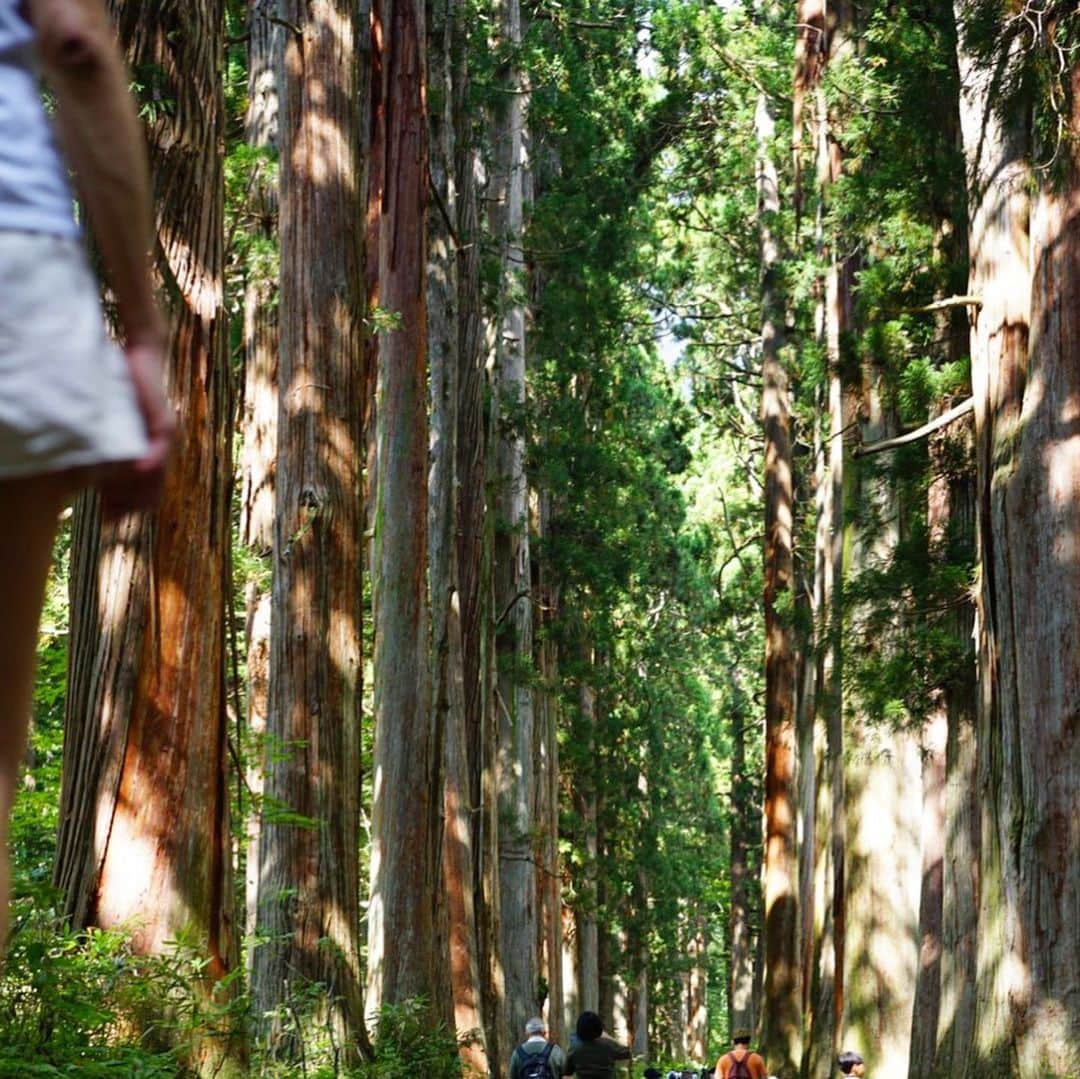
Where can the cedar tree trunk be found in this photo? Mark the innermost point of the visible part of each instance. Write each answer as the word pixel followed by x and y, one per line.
pixel 308 909
pixel 145 837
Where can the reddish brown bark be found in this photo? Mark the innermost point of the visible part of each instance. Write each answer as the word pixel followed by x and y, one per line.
pixel 403 951
pixel 781 1018
pixel 745 822
pixel 373 135
pixel 475 539
pixel 144 835
pixel 260 404
pixel 827 35
pixel 546 813
pixel 810 52
pixel 463 991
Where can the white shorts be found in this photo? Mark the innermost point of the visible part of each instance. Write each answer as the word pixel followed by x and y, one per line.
pixel 66 400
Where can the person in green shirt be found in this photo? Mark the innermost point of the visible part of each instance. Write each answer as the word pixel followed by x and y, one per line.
pixel 594 1055
pixel 536 1055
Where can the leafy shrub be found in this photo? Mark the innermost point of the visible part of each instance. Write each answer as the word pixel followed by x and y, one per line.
pixel 76 1004
pixel 407 1044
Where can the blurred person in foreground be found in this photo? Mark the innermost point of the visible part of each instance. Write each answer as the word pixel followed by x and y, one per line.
pixel 850 1063
pixel 76 409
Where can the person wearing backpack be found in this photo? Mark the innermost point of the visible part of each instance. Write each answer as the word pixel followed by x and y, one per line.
pixel 536 1057
pixel 741 1063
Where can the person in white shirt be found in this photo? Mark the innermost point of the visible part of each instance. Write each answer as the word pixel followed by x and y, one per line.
pixel 76 408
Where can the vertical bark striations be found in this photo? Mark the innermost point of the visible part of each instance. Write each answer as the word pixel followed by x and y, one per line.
pixel 745 821
pixel 547 804
pixel 404 958
pixel 1027 404
pixel 145 833
pixel 782 1018
pixel 308 910
pixel 475 527
pixel 444 297
pixel 258 421
pixel 513 585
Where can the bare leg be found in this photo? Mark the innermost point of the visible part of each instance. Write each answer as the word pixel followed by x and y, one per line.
pixel 28 515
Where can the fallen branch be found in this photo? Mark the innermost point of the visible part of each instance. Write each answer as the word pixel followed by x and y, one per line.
pixel 943 420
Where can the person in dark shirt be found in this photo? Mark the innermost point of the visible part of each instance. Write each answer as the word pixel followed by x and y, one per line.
pixel 594 1055
pixel 851 1063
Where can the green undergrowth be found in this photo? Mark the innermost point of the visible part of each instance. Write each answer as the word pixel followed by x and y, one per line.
pixel 405 1043
pixel 84 1004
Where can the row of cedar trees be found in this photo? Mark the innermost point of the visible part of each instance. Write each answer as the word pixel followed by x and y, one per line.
pixel 391 453
pixel 967 827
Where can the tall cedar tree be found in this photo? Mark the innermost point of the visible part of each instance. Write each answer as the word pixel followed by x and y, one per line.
pixel 781 1024
pixel 514 700
pixel 258 420
pixel 144 838
pixel 1025 265
pixel 445 296
pixel 404 953
pixel 308 908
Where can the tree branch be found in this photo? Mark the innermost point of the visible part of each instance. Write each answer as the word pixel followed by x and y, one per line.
pixel 444 213
pixel 943 420
pixel 579 24
pixel 510 606
pixel 290 26
pixel 943 305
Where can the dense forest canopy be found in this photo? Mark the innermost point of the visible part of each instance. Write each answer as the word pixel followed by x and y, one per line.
pixel 621 553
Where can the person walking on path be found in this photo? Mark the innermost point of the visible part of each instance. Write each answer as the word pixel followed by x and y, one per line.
pixel 75 409
pixel 850 1063
pixel 594 1056
pixel 740 1062
pixel 536 1057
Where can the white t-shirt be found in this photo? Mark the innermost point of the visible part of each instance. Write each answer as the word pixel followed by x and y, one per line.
pixel 34 192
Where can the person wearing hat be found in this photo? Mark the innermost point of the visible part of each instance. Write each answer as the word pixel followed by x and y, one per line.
pixel 740 1062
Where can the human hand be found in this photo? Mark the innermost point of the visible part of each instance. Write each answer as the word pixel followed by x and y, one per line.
pixel 137 485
